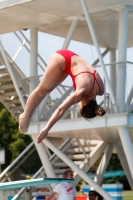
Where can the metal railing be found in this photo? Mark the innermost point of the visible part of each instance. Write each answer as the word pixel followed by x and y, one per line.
pixel 128 94
pixel 14 166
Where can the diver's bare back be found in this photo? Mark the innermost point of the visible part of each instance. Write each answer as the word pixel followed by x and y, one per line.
pixel 79 65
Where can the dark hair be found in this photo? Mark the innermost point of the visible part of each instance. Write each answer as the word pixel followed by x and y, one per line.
pixel 91 110
pixel 93 192
pixel 99 196
pixel 96 194
pixel 65 174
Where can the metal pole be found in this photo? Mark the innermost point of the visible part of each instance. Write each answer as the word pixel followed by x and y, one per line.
pixel 129 98
pixel 43 108
pixel 92 31
pixel 97 60
pixel 127 146
pixel 113 69
pixel 33 57
pixel 105 95
pixel 74 111
pixel 62 148
pixel 104 163
pixel 44 158
pixel 123 160
pixel 12 75
pixel 70 33
pixel 130 108
pixel 18 51
pixel 122 53
pixel 82 174
pixel 33 64
pixel 113 72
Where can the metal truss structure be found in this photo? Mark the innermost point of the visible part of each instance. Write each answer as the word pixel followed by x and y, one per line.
pixel 106 24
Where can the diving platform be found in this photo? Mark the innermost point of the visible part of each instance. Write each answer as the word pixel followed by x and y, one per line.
pixel 32 182
pixel 100 128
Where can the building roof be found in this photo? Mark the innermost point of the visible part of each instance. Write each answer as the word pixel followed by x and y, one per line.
pixel 55 17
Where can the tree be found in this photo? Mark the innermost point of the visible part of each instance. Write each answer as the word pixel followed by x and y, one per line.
pixel 14 142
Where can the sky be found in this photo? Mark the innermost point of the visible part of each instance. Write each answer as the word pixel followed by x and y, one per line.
pixel 48 44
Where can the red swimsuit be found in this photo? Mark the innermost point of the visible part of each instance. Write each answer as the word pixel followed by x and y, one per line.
pixel 67 54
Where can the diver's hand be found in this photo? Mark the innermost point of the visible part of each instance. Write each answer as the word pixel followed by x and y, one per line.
pixel 43 134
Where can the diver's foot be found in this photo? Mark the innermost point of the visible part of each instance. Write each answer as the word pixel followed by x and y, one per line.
pixel 42 135
pixel 23 123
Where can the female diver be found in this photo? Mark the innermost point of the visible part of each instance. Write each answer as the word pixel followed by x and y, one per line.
pixel 86 82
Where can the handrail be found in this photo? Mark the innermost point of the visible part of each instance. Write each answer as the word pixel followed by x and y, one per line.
pixel 19 164
pixel 16 160
pixel 29 43
pixel 37 54
pixel 114 63
pixel 29 50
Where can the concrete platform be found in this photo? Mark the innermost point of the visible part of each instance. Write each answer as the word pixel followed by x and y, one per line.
pixel 100 128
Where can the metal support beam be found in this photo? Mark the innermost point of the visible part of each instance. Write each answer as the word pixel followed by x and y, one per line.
pixel 95 154
pixel 130 108
pixel 33 58
pixel 70 33
pixel 34 69
pixel 92 31
pixel 63 147
pixel 129 98
pixel 113 69
pixel 33 65
pixel 27 48
pixel 44 158
pixel 127 146
pixel 124 163
pixel 18 51
pixel 43 108
pixel 104 163
pixel 97 60
pixel 12 75
pixel 83 175
pixel 122 53
pixel 74 111
pixel 83 150
pixel 113 72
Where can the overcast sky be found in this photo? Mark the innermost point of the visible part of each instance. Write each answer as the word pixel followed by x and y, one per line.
pixel 48 44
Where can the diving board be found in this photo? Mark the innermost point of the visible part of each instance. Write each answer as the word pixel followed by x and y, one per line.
pixel 32 182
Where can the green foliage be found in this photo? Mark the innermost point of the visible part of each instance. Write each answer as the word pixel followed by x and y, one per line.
pixel 114 163
pixel 8 127
pixel 32 164
pixel 78 187
pixel 14 142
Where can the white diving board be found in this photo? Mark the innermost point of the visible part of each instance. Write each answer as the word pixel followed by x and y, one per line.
pixel 32 182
